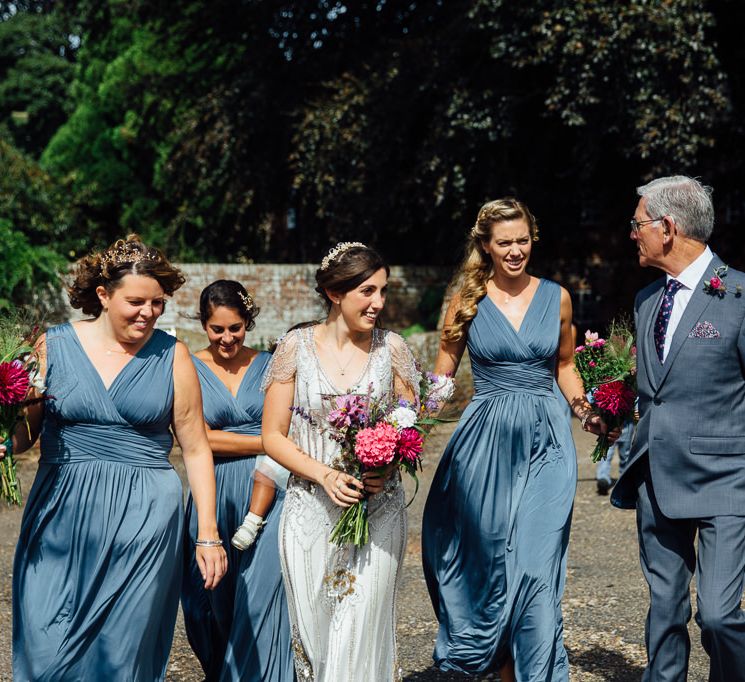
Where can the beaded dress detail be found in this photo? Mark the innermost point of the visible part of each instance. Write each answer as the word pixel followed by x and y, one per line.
pixel 341 599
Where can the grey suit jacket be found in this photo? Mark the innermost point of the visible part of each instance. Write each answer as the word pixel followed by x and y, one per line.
pixel 692 407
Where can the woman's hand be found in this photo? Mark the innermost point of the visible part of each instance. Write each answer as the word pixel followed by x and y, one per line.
pixel 594 424
pixel 374 481
pixel 343 489
pixel 213 564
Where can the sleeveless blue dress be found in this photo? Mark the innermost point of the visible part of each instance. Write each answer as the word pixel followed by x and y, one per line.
pixel 496 522
pixel 240 630
pixel 98 563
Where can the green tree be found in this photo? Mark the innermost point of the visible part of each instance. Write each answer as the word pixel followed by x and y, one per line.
pixel 36 70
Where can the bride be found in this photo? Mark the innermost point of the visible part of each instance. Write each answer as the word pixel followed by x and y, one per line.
pixel 341 599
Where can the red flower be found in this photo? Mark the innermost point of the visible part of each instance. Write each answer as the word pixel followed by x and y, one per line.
pixel 715 282
pixel 410 444
pixel 614 397
pixel 14 383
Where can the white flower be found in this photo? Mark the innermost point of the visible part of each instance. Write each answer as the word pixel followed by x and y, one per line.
pixel 36 380
pixel 441 387
pixel 402 418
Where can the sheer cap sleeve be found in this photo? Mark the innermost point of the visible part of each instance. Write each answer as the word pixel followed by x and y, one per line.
pixel 283 365
pixel 404 365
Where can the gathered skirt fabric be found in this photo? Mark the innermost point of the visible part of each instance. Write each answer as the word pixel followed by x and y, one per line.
pixel 97 573
pixel 240 630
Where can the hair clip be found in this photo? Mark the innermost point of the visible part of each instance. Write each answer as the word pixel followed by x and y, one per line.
pixel 339 249
pixel 247 301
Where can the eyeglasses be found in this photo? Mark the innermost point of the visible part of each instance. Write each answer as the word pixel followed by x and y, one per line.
pixel 636 224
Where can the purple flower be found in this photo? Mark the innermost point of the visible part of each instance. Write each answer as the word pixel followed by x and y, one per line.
pixel 351 410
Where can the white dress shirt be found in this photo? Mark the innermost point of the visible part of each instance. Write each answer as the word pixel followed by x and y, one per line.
pixel 689 278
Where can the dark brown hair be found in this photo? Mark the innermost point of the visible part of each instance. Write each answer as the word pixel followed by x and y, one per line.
pixel 107 269
pixel 348 270
pixel 229 294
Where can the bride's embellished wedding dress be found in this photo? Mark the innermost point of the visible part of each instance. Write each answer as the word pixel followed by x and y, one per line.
pixel 341 600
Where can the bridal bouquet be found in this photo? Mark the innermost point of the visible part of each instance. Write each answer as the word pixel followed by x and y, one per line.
pixel 375 433
pixel 19 372
pixel 608 371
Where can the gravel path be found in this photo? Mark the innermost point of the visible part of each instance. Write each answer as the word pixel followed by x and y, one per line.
pixel 604 604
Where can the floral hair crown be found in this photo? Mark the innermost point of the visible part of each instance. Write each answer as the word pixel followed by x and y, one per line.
pixel 247 301
pixel 339 249
pixel 126 253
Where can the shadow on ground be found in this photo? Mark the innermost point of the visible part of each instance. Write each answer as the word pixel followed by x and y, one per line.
pixel 434 675
pixel 614 666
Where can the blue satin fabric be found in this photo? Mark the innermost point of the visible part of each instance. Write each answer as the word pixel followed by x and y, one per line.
pixel 98 562
pixel 496 522
pixel 239 631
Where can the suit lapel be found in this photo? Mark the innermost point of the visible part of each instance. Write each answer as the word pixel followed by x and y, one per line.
pixel 645 338
pixel 694 310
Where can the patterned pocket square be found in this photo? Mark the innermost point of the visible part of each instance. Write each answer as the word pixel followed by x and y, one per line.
pixel 704 330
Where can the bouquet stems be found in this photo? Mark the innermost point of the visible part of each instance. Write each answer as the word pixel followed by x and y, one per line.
pixel 352 527
pixel 10 488
pixel 600 451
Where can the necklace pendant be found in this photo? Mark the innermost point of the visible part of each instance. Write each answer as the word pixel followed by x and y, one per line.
pixel 342 372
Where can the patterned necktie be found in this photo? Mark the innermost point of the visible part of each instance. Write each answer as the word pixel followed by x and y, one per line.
pixel 663 316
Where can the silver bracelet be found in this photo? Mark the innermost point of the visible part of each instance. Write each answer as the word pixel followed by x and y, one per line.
pixel 208 543
pixel 588 414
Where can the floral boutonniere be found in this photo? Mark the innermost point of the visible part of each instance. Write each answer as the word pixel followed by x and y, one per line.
pixel 715 285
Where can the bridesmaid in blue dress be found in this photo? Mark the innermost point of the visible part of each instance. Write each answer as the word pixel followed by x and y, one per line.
pixel 496 522
pixel 240 631
pixel 98 562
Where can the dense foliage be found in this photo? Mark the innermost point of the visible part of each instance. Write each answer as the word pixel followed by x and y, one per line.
pixel 253 130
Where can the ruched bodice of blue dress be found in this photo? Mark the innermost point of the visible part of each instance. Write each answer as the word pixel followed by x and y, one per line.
pixel 98 562
pixel 240 630
pixel 496 522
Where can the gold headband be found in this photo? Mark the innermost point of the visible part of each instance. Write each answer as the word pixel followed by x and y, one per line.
pixel 339 249
pixel 126 254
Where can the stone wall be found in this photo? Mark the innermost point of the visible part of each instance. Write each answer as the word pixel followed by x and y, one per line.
pixel 286 296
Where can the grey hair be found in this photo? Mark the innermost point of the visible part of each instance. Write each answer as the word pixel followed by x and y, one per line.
pixel 684 199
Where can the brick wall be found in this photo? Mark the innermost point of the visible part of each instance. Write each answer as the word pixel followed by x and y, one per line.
pixel 286 296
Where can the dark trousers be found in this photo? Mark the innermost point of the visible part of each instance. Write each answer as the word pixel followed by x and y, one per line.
pixel 668 559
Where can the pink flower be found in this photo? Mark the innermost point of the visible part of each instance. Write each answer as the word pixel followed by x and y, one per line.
pixel 350 410
pixel 614 397
pixel 592 363
pixel 376 446
pixel 579 349
pixel 590 337
pixel 410 444
pixel 715 282
pixel 598 343
pixel 14 383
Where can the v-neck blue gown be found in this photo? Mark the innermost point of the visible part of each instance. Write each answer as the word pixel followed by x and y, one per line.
pixel 496 522
pixel 98 563
pixel 240 630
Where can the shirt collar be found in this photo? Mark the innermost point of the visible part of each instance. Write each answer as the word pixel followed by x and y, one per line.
pixel 691 276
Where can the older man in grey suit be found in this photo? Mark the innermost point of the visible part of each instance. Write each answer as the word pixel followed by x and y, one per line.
pixel 686 475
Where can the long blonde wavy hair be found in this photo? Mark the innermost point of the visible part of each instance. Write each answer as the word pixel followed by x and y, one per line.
pixel 477 267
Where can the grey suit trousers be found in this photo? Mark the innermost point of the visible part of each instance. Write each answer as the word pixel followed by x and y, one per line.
pixel 668 560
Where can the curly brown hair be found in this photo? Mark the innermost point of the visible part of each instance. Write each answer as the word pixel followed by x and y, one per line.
pixel 107 269
pixel 477 267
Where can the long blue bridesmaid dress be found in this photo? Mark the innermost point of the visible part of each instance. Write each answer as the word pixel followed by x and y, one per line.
pixel 240 630
pixel 496 522
pixel 98 563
